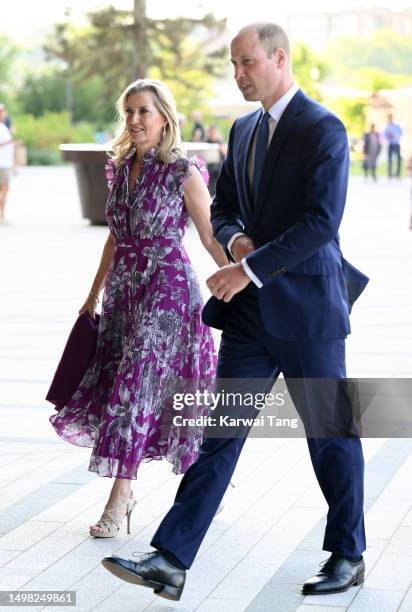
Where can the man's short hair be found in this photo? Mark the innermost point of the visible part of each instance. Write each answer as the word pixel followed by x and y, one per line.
pixel 271 36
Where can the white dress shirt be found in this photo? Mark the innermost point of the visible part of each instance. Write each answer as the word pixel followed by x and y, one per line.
pixel 6 150
pixel 275 112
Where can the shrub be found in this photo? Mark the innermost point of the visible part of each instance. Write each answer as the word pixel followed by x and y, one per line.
pixel 43 135
pixel 42 157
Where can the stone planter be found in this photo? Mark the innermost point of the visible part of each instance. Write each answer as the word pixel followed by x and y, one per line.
pixel 89 161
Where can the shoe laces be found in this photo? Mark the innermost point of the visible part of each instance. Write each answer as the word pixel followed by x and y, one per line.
pixel 143 555
pixel 323 564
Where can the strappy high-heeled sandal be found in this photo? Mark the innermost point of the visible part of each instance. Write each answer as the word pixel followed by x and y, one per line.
pixel 112 518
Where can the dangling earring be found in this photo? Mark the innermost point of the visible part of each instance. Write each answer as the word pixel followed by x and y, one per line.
pixel 162 136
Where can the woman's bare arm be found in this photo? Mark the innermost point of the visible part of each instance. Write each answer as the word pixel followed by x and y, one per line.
pixel 100 278
pixel 197 200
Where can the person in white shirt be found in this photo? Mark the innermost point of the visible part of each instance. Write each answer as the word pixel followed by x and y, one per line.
pixel 6 164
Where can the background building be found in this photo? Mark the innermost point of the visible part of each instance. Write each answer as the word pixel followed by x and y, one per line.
pixel 318 29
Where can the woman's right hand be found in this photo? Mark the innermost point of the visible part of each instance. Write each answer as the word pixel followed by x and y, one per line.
pixel 89 306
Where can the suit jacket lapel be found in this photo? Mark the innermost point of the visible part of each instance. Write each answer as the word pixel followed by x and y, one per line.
pixel 282 130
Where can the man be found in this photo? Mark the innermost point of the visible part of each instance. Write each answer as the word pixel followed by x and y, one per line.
pixel 6 162
pixel 371 149
pixel 4 118
pixel 283 306
pixel 198 130
pixel 393 133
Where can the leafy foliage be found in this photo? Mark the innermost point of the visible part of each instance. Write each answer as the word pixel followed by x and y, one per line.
pixel 8 53
pixel 352 111
pixel 309 69
pixel 374 79
pixel 384 49
pixel 185 53
pixel 47 132
pixel 47 92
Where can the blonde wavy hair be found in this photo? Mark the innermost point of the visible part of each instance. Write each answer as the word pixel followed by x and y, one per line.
pixel 169 148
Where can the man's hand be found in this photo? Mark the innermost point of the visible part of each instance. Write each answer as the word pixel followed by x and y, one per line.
pixel 228 281
pixel 242 246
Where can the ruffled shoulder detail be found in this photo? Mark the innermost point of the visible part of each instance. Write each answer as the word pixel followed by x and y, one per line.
pixel 200 164
pixel 181 169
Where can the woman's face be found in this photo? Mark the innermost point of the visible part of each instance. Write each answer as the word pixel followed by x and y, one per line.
pixel 144 123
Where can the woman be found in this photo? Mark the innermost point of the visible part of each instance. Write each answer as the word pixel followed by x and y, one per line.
pixel 152 341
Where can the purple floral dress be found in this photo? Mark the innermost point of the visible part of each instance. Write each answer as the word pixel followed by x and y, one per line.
pixel 152 342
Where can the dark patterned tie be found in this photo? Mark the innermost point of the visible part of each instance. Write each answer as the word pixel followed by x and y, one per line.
pixel 260 154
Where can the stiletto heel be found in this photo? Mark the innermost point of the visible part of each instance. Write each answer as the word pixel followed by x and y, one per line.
pixel 111 520
pixel 129 515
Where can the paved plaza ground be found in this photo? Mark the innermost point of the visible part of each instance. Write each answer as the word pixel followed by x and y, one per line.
pixel 268 538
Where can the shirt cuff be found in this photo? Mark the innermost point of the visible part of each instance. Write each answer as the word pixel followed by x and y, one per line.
pixel 250 274
pixel 231 241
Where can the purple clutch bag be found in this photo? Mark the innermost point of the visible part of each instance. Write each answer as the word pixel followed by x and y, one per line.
pixel 77 355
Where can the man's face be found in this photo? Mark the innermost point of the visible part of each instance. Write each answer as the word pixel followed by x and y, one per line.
pixel 257 75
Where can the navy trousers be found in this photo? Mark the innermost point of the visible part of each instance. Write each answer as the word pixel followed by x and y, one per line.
pixel 248 351
pixel 394 151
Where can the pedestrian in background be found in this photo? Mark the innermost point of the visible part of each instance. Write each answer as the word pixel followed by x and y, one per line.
pixel 371 149
pixel 6 162
pixel 393 133
pixel 410 174
pixel 5 118
pixel 198 130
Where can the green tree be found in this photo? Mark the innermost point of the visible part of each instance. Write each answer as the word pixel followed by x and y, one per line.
pixel 8 54
pixel 308 68
pixel 367 81
pixel 374 79
pixel 384 49
pixel 187 53
pixel 47 92
pixel 40 93
pixel 43 135
pixel 352 112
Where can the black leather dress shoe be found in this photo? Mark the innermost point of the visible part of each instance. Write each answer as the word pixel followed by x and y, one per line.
pixel 151 570
pixel 336 575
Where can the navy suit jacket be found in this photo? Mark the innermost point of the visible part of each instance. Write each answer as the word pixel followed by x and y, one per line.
pixel 308 287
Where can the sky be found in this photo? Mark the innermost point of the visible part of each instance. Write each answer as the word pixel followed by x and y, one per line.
pixel 23 18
